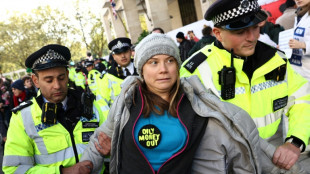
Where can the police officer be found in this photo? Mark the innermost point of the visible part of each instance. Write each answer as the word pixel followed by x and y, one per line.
pixel 100 66
pixel 72 74
pixel 49 133
pixel 80 78
pixel 122 66
pixel 93 76
pixel 254 76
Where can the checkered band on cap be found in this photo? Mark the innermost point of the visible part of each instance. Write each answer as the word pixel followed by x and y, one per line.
pixel 244 7
pixel 120 45
pixel 50 55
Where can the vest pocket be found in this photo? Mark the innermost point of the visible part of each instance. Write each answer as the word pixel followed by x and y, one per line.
pixel 55 143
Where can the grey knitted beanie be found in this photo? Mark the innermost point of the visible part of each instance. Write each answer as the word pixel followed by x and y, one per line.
pixel 154 44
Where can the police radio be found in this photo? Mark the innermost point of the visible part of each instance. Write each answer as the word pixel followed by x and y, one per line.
pixel 227 80
pixel 49 113
pixel 87 102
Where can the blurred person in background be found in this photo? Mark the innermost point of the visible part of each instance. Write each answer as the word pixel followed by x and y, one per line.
pixel 206 39
pixel 80 78
pixel 300 43
pixel 191 37
pixel 72 74
pixel 31 90
pixel 19 93
pixel 121 67
pixel 184 46
pixel 287 19
pixel 158 30
pixel 93 76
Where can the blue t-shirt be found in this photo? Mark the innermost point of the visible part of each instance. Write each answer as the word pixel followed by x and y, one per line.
pixel 159 137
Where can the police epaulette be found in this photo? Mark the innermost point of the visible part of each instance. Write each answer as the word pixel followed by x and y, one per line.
pixel 21 106
pixel 282 54
pixel 195 61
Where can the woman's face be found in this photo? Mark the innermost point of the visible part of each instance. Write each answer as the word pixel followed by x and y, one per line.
pixel 301 3
pixel 16 92
pixel 28 83
pixel 160 73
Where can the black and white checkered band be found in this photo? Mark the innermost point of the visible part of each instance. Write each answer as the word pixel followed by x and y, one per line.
pixel 244 7
pixel 50 55
pixel 120 45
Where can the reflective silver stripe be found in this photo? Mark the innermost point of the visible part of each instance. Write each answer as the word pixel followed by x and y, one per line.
pixel 112 96
pixel 267 119
pixel 60 155
pixel 21 169
pixel 265 85
pixel 98 97
pixel 96 112
pixel 80 148
pixel 302 91
pixel 31 130
pixel 110 83
pixel 302 101
pixel 205 70
pixel 104 108
pixel 14 160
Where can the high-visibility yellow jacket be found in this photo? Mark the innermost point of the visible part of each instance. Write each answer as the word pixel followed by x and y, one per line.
pixel 72 73
pixel 36 147
pixel 93 78
pixel 109 88
pixel 80 80
pixel 264 99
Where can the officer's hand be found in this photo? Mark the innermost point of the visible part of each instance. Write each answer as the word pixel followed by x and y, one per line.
pixel 286 156
pixel 105 144
pixel 84 167
pixel 293 43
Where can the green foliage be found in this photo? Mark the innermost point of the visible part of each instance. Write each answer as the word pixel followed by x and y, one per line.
pixel 96 42
pixel 142 35
pixel 24 34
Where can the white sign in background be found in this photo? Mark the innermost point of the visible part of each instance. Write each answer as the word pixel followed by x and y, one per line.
pixel 284 38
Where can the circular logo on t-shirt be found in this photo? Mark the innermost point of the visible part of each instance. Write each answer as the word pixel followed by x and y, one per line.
pixel 149 136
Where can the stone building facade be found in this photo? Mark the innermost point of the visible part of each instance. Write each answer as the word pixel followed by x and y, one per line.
pixel 166 14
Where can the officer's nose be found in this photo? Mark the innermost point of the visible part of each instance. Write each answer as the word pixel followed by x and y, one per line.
pixel 56 84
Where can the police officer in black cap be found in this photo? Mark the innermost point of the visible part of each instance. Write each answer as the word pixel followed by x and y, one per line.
pixel 93 76
pixel 51 131
pixel 121 67
pixel 99 65
pixel 121 52
pixel 254 76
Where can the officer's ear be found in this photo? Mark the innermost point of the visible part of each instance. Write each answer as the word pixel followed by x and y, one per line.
pixel 67 72
pixel 217 33
pixel 35 79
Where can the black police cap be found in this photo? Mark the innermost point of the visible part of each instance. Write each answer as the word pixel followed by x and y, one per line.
pixel 78 67
pixel 119 45
pixel 49 56
pixel 88 63
pixel 235 14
